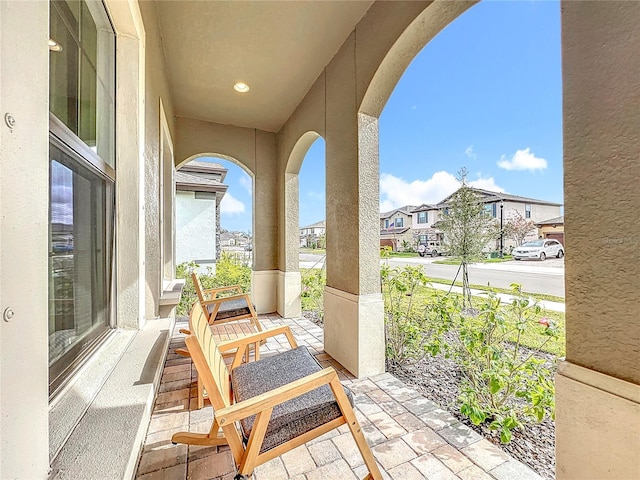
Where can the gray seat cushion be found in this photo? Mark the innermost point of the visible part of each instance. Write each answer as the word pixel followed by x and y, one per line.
pixel 230 309
pixel 293 417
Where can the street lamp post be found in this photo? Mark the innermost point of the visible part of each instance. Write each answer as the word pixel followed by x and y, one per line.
pixel 501 230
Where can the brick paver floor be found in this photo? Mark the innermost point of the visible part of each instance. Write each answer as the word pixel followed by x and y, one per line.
pixel 410 436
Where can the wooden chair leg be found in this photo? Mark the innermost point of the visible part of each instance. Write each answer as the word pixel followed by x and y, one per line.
pixel 200 393
pixel 356 430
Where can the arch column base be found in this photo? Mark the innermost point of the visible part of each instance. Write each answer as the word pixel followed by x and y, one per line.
pixel 289 289
pixel 597 425
pixel 264 290
pixel 354 331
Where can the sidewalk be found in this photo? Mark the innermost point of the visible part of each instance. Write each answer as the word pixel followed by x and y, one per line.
pixel 504 297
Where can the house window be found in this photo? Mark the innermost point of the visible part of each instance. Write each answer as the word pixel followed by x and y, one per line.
pixel 399 222
pixel 422 239
pixel 527 211
pixel 422 217
pixel 386 223
pixel 82 183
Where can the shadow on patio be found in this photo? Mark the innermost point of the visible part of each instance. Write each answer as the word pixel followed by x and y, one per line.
pixel 411 437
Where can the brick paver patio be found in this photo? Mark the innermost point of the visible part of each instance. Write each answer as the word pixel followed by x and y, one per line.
pixel 411 437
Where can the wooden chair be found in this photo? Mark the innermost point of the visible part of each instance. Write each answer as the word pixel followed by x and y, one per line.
pixel 225 309
pixel 276 404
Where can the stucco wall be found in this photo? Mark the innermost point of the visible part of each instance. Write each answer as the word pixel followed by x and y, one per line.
pixel 156 88
pixel 24 210
pixel 195 228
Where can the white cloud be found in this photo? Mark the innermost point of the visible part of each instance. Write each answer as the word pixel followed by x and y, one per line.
pixel 245 182
pixel 523 160
pixel 470 153
pixel 396 192
pixel 231 205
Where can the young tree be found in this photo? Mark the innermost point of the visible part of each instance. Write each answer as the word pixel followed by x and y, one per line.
pixel 467 228
pixel 517 227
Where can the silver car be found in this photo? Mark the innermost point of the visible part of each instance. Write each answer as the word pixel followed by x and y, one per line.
pixel 539 249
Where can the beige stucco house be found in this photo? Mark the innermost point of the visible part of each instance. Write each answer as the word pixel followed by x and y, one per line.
pixel 395 229
pixel 500 206
pixel 101 101
pixel 313 234
pixel 552 228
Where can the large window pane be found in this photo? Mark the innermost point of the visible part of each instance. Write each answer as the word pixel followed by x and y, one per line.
pixel 79 252
pixel 82 79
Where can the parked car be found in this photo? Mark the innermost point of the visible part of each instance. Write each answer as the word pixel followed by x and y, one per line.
pixel 431 248
pixel 539 249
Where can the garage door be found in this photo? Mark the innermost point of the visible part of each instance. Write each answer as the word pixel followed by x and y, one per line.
pixel 556 236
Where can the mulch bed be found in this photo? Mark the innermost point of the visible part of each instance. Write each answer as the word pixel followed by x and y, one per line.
pixel 438 379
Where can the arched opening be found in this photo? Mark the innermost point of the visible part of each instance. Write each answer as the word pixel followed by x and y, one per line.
pixel 289 302
pixel 459 103
pixel 213 216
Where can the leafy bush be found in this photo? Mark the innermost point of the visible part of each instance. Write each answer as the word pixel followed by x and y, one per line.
pixel 504 384
pixel 229 271
pixel 312 295
pixel 412 329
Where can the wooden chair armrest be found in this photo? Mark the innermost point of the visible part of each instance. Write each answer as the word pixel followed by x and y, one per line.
pixel 246 340
pixel 242 296
pixel 217 290
pixel 270 399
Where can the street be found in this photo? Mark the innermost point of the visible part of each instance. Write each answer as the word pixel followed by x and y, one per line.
pixel 535 276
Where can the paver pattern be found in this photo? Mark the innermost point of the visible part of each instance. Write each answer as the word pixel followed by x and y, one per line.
pixel 410 436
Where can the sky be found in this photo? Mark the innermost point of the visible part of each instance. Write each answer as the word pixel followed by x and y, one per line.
pixel 485 94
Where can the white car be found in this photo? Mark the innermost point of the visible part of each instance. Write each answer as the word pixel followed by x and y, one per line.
pixel 539 249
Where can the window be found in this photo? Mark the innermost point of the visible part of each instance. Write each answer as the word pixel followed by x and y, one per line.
pixel 399 222
pixel 422 217
pixel 527 211
pixel 386 223
pixel 422 239
pixel 82 182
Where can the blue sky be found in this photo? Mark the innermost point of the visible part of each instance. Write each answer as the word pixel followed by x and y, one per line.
pixel 486 94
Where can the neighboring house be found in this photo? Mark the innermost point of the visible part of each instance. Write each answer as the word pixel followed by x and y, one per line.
pixel 552 228
pixel 199 190
pixel 423 225
pixel 501 206
pixel 395 228
pixel 312 234
pixel 234 239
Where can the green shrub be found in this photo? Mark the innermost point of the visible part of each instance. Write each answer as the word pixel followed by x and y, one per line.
pixel 312 295
pixel 504 384
pixel 413 329
pixel 229 271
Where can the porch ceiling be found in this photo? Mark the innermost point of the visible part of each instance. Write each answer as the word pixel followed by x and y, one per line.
pixel 277 48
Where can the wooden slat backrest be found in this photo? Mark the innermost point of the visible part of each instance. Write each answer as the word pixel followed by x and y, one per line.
pixel 198 286
pixel 220 391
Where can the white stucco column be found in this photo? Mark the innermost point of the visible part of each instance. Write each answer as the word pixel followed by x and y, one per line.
pixel 598 387
pixel 130 192
pixel 354 324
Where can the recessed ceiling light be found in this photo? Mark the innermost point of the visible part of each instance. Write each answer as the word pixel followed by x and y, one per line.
pixel 241 87
pixel 54 46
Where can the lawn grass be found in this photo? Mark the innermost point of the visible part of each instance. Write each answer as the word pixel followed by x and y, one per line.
pixel 451 261
pixel 532 338
pixel 402 254
pixel 320 251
